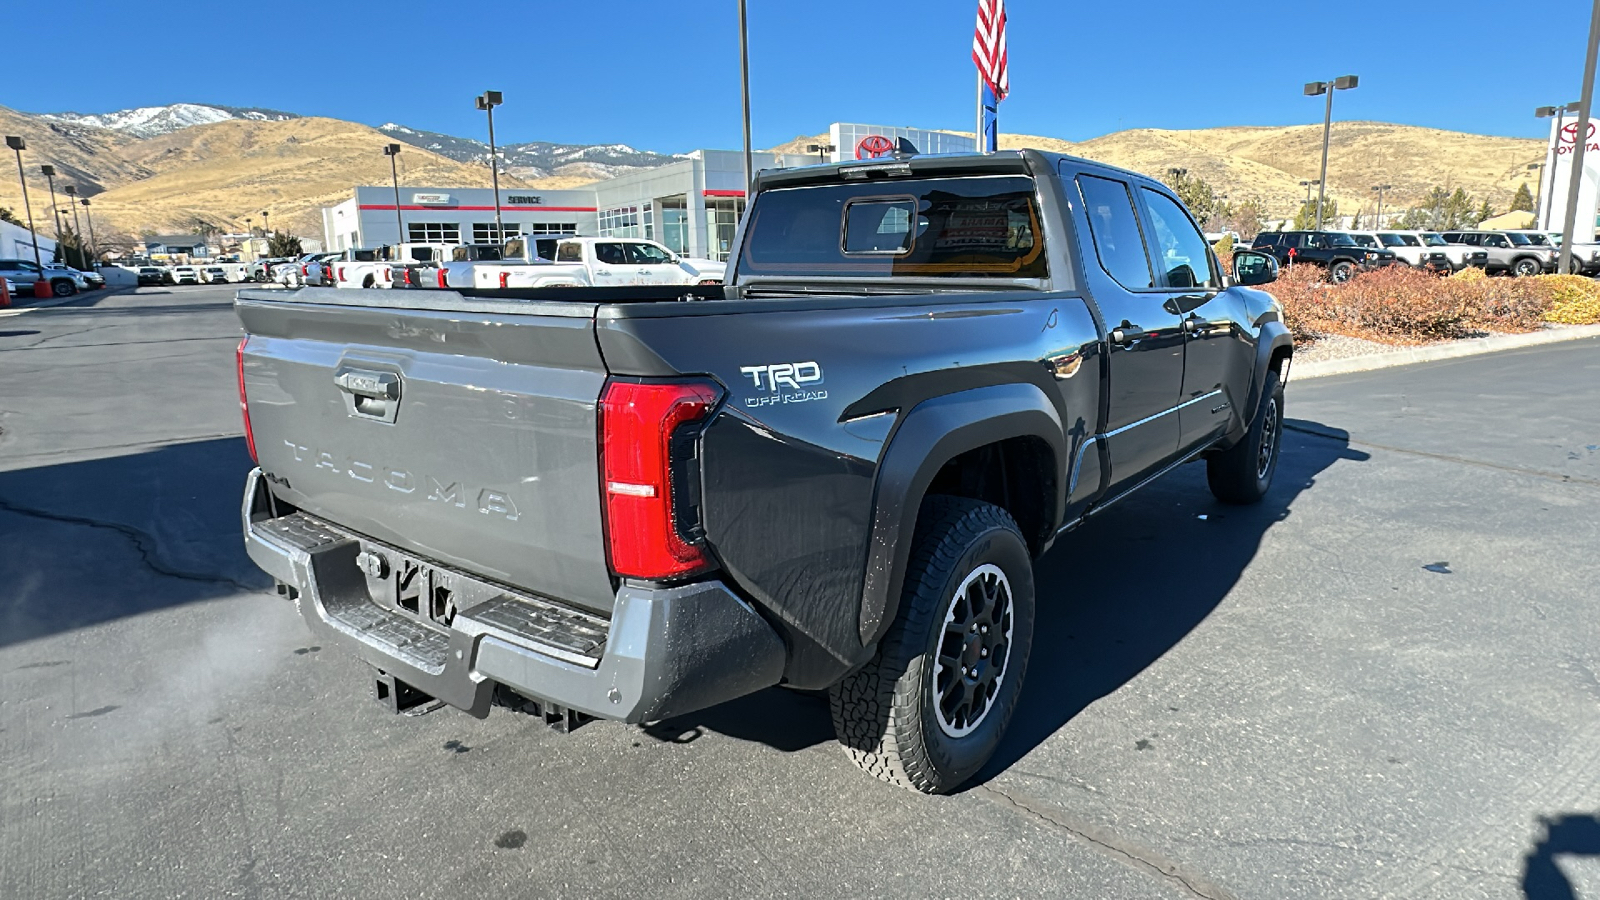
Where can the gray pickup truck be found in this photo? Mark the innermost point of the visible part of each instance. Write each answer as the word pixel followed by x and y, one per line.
pixel 833 472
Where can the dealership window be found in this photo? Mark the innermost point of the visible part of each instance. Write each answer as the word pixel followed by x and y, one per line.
pixel 622 221
pixel 483 232
pixel 552 228
pixel 434 232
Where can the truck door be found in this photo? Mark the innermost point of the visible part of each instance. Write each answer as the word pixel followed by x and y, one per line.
pixel 1216 342
pixel 1145 343
pixel 610 264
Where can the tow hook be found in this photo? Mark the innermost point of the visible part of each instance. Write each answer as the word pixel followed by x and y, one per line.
pixel 373 564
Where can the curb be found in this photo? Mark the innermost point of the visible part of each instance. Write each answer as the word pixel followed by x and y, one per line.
pixel 1467 347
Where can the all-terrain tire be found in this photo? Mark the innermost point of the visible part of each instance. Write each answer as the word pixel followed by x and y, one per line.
pixel 887 714
pixel 1341 271
pixel 1526 267
pixel 1242 474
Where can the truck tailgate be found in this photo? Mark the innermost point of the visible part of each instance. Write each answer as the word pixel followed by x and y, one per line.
pixel 463 432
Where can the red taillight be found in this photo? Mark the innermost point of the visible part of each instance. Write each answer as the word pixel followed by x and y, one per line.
pixel 638 422
pixel 341 273
pixel 442 282
pixel 244 405
pixel 503 277
pixel 304 273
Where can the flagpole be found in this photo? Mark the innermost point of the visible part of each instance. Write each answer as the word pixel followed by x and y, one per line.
pixel 977 130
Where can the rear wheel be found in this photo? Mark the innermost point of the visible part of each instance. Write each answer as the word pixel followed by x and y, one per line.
pixel 1341 271
pixel 1242 474
pixel 63 288
pixel 930 708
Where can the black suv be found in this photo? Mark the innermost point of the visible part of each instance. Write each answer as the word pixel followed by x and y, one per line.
pixel 1337 252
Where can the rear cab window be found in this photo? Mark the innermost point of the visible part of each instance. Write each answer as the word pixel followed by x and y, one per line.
pixel 1114 225
pixel 981 226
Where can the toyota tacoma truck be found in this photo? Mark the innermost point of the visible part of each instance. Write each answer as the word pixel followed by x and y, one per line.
pixel 833 472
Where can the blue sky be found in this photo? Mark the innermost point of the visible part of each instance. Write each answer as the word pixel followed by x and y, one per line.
pixel 664 76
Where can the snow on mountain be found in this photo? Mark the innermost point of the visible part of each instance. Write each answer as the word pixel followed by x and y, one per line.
pixel 534 159
pixel 150 121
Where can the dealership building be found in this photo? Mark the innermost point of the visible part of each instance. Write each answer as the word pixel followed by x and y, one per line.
pixel 691 205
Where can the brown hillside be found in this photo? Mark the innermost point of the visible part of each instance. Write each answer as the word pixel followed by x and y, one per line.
pixel 223 172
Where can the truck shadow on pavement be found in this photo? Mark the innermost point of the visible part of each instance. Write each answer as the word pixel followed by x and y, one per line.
pixel 1117 594
pixel 91 541
pixel 1573 834
pixel 1158 570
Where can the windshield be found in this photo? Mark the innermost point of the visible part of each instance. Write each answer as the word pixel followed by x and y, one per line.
pixel 1433 240
pixel 974 227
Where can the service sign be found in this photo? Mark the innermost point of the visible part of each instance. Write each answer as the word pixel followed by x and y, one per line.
pixel 525 200
pixel 431 199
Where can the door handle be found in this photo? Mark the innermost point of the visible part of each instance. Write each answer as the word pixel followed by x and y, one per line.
pixel 1127 335
pixel 1194 325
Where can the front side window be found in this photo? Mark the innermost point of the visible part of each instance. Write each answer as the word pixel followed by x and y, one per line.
pixel 1521 240
pixel 1180 249
pixel 646 255
pixel 959 227
pixel 1115 228
pixel 1495 240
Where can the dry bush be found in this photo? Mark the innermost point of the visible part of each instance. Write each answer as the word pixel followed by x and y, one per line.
pixel 1574 300
pixel 1503 304
pixel 1399 304
pixel 1303 293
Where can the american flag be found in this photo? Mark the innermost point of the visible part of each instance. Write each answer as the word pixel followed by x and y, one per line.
pixel 989 46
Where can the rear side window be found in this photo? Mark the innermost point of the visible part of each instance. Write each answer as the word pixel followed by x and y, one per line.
pixel 1115 227
pixel 1181 251
pixel 1268 240
pixel 976 227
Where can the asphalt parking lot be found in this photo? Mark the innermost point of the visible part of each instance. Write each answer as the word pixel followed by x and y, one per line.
pixel 1382 682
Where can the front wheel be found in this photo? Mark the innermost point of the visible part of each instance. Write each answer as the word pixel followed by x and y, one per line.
pixel 931 707
pixel 1526 268
pixel 63 288
pixel 1341 271
pixel 1242 474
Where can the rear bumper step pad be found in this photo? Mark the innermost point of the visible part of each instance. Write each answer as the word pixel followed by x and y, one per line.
pixel 665 651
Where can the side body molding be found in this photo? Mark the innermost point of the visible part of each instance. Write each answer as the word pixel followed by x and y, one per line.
pixel 931 434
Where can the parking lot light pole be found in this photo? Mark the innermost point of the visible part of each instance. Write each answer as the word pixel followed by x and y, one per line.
pixel 1569 226
pixel 1308 185
pixel 49 173
pixel 821 150
pixel 1317 89
pixel 94 244
pixel 393 151
pixel 1381 189
pixel 744 97
pixel 16 143
pixel 266 231
pixel 487 101
pixel 77 227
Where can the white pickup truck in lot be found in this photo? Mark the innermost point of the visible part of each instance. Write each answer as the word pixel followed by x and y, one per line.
pixel 599 262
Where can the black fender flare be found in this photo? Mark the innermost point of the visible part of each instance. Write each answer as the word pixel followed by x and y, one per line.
pixel 1275 336
pixel 934 432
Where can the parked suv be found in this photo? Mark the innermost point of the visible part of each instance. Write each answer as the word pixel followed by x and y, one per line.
pixel 25 273
pixel 1425 250
pixel 1585 254
pixel 1510 252
pixel 1334 250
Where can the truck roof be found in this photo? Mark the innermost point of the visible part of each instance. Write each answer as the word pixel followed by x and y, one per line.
pixel 1002 162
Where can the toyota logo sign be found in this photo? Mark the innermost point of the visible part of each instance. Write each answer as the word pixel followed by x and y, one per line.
pixel 874 146
pixel 1569 134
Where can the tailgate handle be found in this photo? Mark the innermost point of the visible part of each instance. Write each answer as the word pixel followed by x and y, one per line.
pixel 374 395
